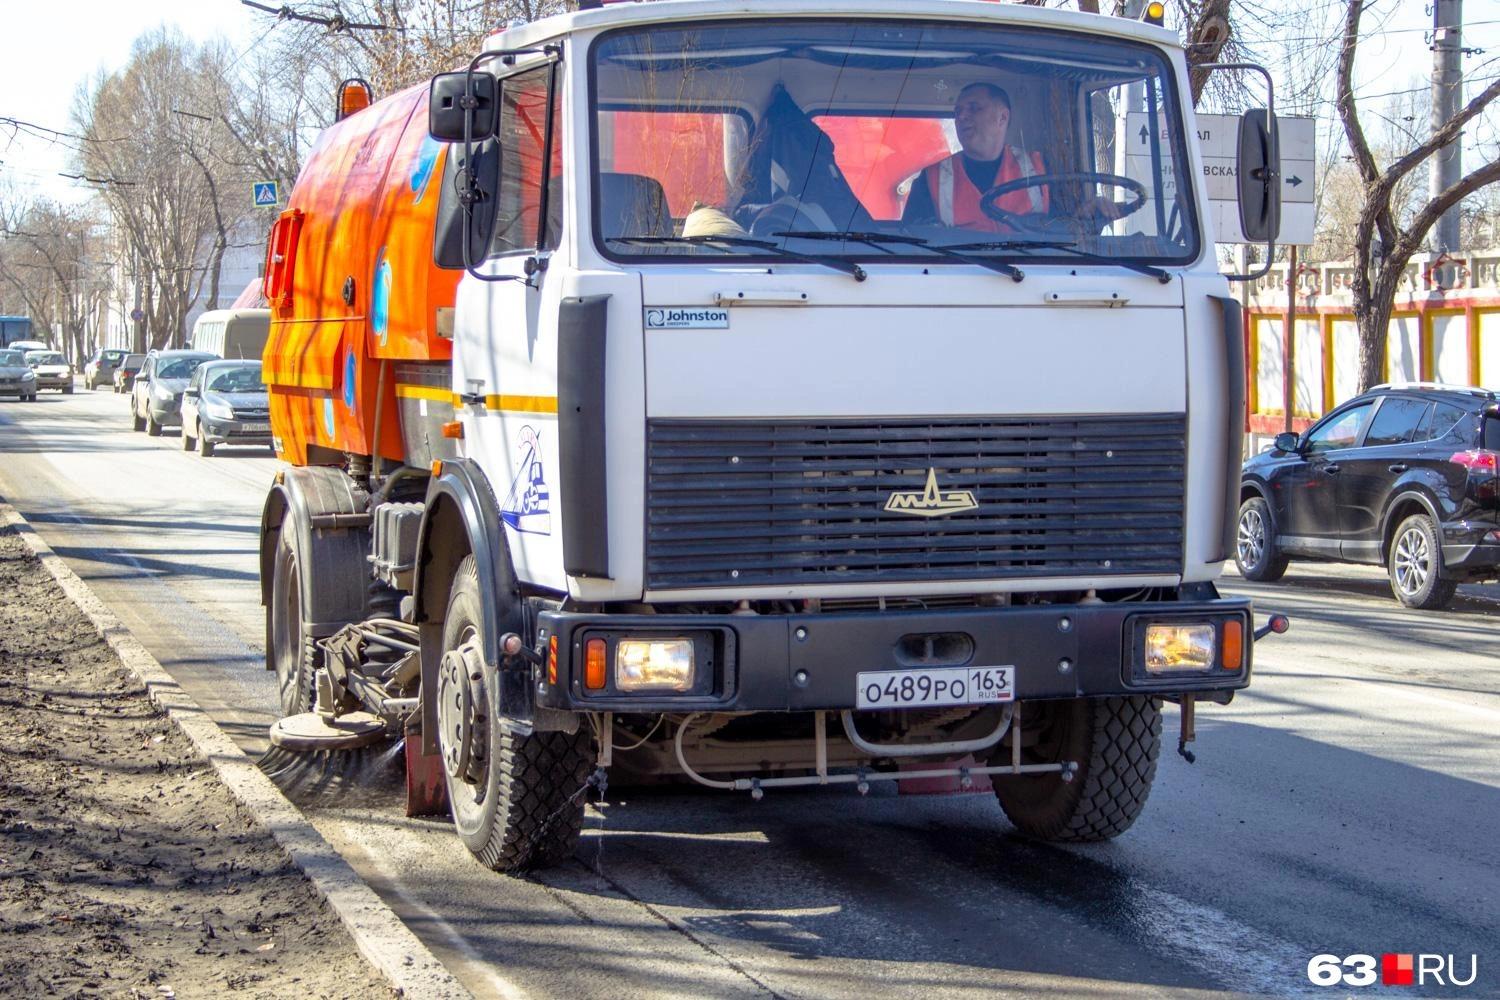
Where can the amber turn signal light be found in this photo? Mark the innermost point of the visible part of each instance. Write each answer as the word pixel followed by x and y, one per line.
pixel 594 665
pixel 1232 646
pixel 552 660
pixel 453 429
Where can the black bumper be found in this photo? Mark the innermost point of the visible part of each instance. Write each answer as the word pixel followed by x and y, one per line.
pixel 802 662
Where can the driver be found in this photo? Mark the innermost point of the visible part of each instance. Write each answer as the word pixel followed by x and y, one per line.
pixel 948 191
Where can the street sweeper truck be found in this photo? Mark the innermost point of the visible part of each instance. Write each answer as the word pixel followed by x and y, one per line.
pixel 760 396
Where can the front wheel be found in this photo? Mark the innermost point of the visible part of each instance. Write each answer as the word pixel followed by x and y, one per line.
pixel 1415 565
pixel 1256 553
pixel 205 446
pixel 187 442
pixel 517 801
pixel 1115 742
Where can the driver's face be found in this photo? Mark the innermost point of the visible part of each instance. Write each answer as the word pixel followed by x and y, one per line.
pixel 981 123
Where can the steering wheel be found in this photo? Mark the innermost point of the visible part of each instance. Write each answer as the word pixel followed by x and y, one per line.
pixel 989 201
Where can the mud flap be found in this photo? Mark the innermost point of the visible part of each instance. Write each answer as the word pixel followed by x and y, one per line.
pixel 426 791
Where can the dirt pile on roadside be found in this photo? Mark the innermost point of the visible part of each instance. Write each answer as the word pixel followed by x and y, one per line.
pixel 126 869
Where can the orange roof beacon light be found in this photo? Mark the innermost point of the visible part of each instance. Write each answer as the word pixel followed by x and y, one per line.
pixel 354 95
pixel 1154 13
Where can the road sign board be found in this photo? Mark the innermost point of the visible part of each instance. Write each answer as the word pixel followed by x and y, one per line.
pixel 1218 138
pixel 265 194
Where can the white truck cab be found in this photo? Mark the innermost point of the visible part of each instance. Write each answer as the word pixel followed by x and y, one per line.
pixel 838 388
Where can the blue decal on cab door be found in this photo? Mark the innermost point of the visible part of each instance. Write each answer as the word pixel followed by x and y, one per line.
pixel 528 505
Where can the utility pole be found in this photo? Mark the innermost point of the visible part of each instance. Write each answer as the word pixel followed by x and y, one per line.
pixel 1447 96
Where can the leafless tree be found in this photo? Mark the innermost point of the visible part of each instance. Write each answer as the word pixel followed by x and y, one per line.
pixel 1376 276
pixel 157 180
pixel 50 268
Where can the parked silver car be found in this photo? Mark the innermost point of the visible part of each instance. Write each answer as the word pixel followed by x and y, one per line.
pixel 16 377
pixel 225 403
pixel 156 397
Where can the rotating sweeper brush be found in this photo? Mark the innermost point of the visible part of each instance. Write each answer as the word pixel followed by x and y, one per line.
pixel 351 749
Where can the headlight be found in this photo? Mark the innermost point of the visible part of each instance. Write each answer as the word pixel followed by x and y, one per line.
pixel 1179 647
pixel 654 665
pixel 28 375
pixel 218 410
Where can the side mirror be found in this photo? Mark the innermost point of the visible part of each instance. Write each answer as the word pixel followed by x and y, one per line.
pixel 1287 441
pixel 192 393
pixel 1259 174
pixel 456 96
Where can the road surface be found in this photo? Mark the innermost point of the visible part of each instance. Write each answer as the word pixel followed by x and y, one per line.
pixel 1347 804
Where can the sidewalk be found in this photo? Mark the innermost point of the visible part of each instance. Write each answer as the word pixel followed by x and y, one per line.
pixel 126 868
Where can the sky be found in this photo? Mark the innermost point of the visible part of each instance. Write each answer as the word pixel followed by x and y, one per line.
pixel 47 57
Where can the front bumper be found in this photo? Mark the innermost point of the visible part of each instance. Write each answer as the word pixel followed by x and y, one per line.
pixel 257 432
pixel 803 662
pixel 53 381
pixel 166 413
pixel 17 388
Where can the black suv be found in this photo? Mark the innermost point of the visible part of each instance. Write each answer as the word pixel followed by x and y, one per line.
pixel 1404 475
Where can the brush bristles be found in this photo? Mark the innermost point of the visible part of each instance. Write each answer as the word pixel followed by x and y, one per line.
pixel 365 775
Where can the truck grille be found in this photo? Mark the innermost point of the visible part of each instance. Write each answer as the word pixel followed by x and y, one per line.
pixel 737 504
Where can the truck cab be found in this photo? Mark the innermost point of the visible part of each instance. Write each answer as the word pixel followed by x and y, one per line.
pixel 822 394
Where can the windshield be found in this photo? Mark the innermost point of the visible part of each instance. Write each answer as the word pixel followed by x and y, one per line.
pixel 178 367
pixel 246 379
pixel 1012 142
pixel 44 358
pixel 13 359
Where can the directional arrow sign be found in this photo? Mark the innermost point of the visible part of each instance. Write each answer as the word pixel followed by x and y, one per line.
pixel 265 194
pixel 1218 139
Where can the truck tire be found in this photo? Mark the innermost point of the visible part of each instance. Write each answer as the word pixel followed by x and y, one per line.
pixel 517 801
pixel 1115 742
pixel 1256 553
pixel 1415 565
pixel 293 654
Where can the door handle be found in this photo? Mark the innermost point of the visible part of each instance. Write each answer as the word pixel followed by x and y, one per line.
pixel 1398 467
pixel 1330 469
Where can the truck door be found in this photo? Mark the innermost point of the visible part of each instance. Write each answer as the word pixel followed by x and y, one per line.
pixel 505 346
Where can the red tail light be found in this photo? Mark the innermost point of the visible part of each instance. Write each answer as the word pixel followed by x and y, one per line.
pixel 1478 460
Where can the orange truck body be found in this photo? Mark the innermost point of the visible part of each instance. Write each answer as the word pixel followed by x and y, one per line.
pixel 352 284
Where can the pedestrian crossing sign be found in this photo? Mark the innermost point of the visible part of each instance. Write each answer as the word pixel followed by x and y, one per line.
pixel 265 194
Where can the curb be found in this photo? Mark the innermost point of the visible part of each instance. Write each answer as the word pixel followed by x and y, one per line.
pixel 379 935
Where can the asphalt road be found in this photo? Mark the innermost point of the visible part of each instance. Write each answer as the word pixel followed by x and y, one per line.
pixel 1347 804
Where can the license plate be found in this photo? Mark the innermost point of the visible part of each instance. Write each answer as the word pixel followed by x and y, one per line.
pixel 934 686
pixel 256 428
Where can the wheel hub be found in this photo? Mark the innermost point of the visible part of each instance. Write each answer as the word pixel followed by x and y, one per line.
pixel 1252 537
pixel 1412 561
pixel 461 712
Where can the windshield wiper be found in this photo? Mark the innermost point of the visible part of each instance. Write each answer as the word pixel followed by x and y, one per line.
pixel 877 239
pixel 1067 247
pixel 836 263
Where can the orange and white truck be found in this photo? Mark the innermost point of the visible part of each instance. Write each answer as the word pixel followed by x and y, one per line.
pixel 679 391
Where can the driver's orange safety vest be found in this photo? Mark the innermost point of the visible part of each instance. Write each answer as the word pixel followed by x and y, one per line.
pixel 957 199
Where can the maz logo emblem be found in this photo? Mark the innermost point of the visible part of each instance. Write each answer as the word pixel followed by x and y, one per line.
pixel 930 501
